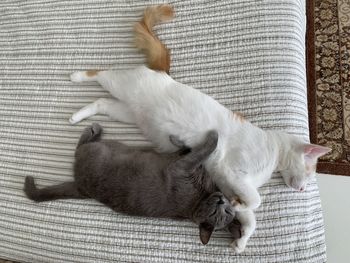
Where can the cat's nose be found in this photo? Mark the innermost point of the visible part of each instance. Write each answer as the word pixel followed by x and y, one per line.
pixel 221 202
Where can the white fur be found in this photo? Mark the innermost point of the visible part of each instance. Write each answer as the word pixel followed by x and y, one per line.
pixel 245 157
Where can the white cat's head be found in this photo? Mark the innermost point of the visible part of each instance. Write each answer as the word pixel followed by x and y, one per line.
pixel 299 163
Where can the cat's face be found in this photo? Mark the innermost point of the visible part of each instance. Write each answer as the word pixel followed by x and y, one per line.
pixel 213 213
pixel 301 164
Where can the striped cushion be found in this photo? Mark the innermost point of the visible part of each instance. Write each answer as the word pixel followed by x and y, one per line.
pixel 247 54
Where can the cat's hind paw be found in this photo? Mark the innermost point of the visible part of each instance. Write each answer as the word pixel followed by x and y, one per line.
pixel 96 129
pixel 73 119
pixel 238 245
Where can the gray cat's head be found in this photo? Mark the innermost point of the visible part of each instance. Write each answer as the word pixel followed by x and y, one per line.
pixel 213 213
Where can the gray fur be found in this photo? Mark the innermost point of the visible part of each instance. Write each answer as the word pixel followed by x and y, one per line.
pixel 143 182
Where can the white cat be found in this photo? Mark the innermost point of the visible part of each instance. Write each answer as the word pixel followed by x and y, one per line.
pixel 246 155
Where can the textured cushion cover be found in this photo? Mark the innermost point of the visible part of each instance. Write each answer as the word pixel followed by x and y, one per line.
pixel 247 54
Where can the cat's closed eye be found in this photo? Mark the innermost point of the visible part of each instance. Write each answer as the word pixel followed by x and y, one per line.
pixel 228 211
pixel 213 213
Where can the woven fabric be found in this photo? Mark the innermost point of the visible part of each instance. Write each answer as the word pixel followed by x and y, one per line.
pixel 247 54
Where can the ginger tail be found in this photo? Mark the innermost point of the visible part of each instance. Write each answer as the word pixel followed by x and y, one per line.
pixel 157 54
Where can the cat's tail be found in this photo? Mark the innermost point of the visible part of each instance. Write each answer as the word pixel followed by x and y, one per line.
pixel 157 54
pixel 66 190
pixel 90 134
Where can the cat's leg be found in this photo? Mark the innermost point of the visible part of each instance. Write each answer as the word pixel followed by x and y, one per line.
pixel 113 108
pixel 241 193
pixel 66 190
pixel 107 79
pixel 248 224
pixel 196 156
pixel 120 84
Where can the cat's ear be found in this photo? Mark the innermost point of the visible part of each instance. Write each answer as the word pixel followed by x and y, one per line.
pixel 313 151
pixel 205 231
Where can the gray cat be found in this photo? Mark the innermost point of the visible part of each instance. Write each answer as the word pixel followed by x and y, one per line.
pixel 143 182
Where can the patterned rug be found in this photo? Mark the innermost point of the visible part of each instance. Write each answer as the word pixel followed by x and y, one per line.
pixel 328 62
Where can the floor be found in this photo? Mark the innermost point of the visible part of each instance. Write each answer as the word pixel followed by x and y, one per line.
pixel 335 197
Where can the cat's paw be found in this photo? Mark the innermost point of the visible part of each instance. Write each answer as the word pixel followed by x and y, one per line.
pixel 252 202
pixel 77 76
pixel 74 119
pixel 92 132
pixel 213 135
pixel 238 204
pixel 238 245
pixel 95 129
pixel 212 139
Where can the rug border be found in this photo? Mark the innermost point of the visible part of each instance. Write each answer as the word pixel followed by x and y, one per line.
pixel 322 166
pixel 310 66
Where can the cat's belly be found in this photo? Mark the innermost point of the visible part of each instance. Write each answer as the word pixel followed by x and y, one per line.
pixel 176 109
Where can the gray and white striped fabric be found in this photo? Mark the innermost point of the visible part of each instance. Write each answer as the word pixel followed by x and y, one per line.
pixel 248 54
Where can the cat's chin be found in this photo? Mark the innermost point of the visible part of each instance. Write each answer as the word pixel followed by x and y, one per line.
pixel 299 186
pixel 294 184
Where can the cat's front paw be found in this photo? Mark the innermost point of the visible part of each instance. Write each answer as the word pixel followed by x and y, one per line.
pixel 76 76
pixel 212 139
pixel 252 202
pixel 239 245
pixel 238 204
